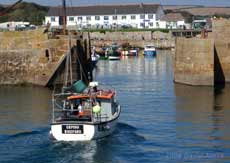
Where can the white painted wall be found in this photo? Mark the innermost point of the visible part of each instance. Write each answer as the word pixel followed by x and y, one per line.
pixel 172 25
pixel 71 22
pixel 162 24
pixel 180 23
pixel 136 23
pixel 53 20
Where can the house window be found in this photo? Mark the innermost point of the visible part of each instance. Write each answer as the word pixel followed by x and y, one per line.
pixel 106 17
pixel 79 18
pixel 142 16
pixel 114 17
pixel 53 19
pixel 97 17
pixel 133 16
pixel 157 24
pixel 150 16
pixel 123 17
pixel 142 24
pixel 150 24
pixel 71 19
pixel 88 18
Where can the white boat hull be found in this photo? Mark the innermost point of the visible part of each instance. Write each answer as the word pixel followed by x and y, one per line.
pixel 114 58
pixel 82 131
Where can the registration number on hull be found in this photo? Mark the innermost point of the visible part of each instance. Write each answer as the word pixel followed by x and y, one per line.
pixel 72 129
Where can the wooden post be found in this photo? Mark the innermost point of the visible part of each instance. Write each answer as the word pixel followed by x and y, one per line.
pixel 64 16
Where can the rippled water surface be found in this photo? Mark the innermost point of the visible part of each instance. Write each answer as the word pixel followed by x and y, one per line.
pixel 160 121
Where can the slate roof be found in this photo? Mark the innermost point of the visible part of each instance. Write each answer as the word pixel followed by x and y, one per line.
pixel 105 10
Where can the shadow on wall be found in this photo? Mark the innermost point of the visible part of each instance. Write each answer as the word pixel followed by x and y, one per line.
pixel 219 78
pixel 84 67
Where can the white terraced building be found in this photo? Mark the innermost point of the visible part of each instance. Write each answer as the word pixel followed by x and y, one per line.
pixel 108 16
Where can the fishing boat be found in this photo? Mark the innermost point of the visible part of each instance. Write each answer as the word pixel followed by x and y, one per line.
pixel 83 112
pixel 150 51
pixel 113 53
pixel 85 116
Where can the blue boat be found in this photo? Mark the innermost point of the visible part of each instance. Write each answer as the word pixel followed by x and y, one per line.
pixel 150 51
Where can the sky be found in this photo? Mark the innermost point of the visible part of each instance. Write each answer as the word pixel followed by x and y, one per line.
pixel 224 3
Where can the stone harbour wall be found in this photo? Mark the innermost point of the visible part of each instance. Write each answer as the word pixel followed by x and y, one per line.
pixel 221 35
pixel 29 57
pixel 194 61
pixel 204 61
pixel 138 39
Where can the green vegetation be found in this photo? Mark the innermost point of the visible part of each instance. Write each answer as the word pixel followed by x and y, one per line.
pixel 28 12
pixel 125 30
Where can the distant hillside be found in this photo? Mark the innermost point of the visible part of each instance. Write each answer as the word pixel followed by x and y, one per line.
pixel 29 12
pixel 209 11
pixel 202 11
pixel 176 7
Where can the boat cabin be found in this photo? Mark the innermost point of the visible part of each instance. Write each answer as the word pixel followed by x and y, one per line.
pixel 133 52
pixel 99 106
pixel 150 47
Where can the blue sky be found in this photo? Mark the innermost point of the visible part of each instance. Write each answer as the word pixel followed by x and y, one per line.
pixel 92 2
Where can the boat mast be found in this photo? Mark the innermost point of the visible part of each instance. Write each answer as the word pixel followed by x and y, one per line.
pixel 64 16
pixel 68 66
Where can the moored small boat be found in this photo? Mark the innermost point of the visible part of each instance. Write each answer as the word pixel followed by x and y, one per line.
pixel 113 57
pixel 150 51
pixel 113 53
pixel 130 53
pixel 133 52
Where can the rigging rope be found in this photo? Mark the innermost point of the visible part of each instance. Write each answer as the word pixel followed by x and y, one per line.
pixel 70 59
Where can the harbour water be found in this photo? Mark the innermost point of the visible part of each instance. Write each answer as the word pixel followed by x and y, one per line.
pixel 160 121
